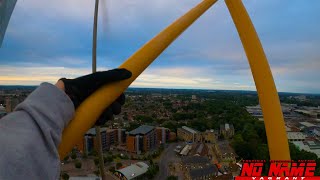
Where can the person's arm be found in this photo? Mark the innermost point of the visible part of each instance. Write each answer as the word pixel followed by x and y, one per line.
pixel 29 136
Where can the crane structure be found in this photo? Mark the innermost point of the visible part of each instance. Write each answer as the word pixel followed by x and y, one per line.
pixel 89 111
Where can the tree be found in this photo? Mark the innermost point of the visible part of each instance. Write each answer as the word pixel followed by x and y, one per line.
pixel 66 158
pixel 112 169
pixel 77 164
pixel 96 161
pixel 152 171
pixel 73 155
pixel 84 156
pixel 93 153
pixel 118 165
pixel 65 176
pixel 172 178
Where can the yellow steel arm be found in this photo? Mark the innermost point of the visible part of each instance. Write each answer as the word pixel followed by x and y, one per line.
pixel 91 108
pixel 267 92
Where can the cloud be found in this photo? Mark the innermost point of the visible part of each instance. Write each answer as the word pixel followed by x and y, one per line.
pixel 54 38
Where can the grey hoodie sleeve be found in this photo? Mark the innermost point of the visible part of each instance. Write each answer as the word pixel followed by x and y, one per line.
pixel 29 136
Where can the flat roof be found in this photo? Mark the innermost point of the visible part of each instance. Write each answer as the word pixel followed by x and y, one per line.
pixel 186 150
pixel 190 130
pixel 143 129
pixel 134 170
pixel 91 131
pixel 307 124
pixel 296 135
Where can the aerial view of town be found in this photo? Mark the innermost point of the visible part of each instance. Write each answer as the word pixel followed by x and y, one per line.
pixel 159 90
pixel 185 134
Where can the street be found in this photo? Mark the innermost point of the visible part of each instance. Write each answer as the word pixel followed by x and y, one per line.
pixel 167 156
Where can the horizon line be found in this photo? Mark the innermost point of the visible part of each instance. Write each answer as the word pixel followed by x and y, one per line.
pixel 204 89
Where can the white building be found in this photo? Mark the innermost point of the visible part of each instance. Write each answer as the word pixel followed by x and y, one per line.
pixel 296 136
pixel 310 146
pixel 132 171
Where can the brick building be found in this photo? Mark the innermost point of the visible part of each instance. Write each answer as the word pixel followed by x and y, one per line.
pixel 109 137
pixel 163 135
pixel 142 139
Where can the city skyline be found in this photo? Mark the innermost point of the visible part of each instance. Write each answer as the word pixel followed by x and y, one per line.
pixel 209 55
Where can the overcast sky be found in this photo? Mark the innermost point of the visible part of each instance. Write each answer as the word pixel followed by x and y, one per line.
pixel 46 40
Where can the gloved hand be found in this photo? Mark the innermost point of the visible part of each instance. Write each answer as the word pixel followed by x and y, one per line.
pixel 82 87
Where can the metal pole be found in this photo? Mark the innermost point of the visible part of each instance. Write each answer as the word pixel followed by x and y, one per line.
pixel 94 69
pixel 88 112
pixel 266 88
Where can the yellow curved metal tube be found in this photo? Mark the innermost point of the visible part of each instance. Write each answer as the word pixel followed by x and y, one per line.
pixel 267 92
pixel 92 107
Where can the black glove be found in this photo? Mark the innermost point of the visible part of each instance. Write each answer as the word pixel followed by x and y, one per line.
pixel 82 87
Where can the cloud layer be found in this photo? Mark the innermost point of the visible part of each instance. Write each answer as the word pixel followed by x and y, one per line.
pixel 47 40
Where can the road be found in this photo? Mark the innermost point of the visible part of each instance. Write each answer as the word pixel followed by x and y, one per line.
pixel 167 156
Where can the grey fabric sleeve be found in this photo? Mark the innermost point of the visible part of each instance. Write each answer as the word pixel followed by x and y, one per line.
pixel 29 136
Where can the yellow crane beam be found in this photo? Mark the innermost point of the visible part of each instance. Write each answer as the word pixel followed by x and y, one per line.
pixel 89 111
pixel 267 92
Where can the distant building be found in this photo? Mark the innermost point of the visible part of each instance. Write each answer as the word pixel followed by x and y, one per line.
pixel 11 103
pixel 2 111
pixel 207 172
pixel 209 136
pixel 310 146
pixel 227 130
pixel 296 136
pixel 198 167
pixel 201 150
pixel 255 111
pixel 187 134
pixel 195 162
pixel 301 97
pixel 225 152
pixel 133 171
pixel 312 112
pixel 186 149
pixel 172 136
pixel 306 125
pixel 109 137
pixel 163 135
pixel 142 139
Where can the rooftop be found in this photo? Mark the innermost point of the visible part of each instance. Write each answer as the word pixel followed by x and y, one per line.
pixel 307 124
pixel 225 148
pixel 226 127
pixel 195 160
pixel 190 130
pixel 143 129
pixel 186 150
pixel 91 131
pixel 134 170
pixel 196 173
pixel 296 135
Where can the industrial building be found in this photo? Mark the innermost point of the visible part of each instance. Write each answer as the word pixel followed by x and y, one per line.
pixel 187 134
pixel 133 171
pixel 296 136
